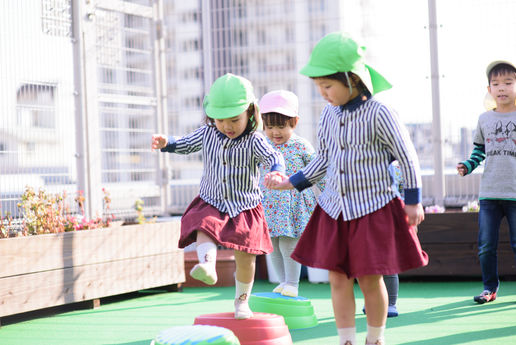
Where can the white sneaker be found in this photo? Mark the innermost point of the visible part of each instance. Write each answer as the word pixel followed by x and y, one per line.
pixel 242 310
pixel 279 288
pixel 205 272
pixel 289 290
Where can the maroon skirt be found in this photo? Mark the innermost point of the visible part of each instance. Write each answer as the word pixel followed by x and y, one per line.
pixel 381 242
pixel 247 232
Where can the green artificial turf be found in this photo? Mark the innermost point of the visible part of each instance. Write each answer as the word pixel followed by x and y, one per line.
pixel 431 313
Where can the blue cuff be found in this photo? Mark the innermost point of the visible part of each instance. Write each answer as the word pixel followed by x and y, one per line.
pixel 171 145
pixel 299 181
pixel 412 196
pixel 278 167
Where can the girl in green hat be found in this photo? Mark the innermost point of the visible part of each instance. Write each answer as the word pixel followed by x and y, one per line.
pixel 228 210
pixel 360 228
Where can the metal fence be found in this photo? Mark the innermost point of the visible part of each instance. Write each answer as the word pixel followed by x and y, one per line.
pixel 85 84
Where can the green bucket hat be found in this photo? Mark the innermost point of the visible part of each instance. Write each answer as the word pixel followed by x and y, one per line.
pixel 230 95
pixel 338 52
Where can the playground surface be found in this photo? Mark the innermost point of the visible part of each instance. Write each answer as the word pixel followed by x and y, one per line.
pixel 431 313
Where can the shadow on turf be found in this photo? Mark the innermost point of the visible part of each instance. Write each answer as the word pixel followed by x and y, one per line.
pixel 467 337
pixel 139 342
pixel 326 326
pixel 449 311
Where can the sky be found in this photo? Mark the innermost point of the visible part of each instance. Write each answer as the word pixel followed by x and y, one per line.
pixel 471 34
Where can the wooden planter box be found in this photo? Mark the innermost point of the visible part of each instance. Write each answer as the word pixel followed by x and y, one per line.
pixel 50 270
pixel 450 239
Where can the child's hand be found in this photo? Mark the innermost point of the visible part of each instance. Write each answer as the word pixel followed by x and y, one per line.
pixel 277 180
pixel 461 168
pixel 415 214
pixel 159 141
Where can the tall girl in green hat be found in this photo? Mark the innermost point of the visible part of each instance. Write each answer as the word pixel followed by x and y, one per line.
pixel 360 228
pixel 228 210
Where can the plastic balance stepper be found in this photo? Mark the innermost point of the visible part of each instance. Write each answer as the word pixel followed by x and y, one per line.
pixel 261 329
pixel 298 312
pixel 196 335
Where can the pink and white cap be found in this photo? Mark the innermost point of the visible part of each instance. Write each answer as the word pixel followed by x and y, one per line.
pixel 279 101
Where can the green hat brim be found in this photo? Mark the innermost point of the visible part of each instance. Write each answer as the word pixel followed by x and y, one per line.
pixel 373 80
pixel 316 71
pixel 221 113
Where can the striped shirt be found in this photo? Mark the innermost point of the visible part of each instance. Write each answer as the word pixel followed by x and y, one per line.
pixel 477 156
pixel 356 144
pixel 230 179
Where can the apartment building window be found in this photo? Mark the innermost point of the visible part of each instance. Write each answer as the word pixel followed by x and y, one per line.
pixel 317 5
pixel 35 106
pixel 56 18
pixel 190 17
pixel 192 103
pixel 240 8
pixel 289 34
pixel 290 60
pixel 192 73
pixel 242 38
pixel 191 45
pixel 262 37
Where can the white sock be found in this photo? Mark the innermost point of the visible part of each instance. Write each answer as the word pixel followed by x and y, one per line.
pixel 243 290
pixel 347 335
pixel 374 334
pixel 207 252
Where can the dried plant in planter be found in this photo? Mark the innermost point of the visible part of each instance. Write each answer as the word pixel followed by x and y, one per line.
pixel 45 213
pixel 5 225
pixel 140 219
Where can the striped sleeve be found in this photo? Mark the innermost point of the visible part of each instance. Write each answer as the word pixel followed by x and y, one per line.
pixel 308 155
pixel 397 139
pixel 477 156
pixel 187 144
pixel 316 169
pixel 267 155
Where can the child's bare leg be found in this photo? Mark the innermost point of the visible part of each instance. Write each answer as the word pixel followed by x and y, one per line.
pixel 343 300
pixel 205 270
pixel 244 279
pixel 376 302
pixel 203 238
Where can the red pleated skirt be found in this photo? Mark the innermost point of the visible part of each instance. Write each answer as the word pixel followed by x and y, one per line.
pixel 381 242
pixel 247 232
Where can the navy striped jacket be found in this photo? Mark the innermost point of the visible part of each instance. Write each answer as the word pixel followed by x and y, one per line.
pixel 230 179
pixel 356 144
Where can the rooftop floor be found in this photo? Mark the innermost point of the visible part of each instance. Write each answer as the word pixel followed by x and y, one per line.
pixel 430 313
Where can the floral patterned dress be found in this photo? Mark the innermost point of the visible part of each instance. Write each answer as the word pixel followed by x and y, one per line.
pixel 397 178
pixel 287 211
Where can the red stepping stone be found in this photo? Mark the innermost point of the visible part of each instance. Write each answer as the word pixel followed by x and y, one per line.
pixel 261 329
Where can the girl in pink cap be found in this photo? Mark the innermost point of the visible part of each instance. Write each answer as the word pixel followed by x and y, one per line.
pixel 228 211
pixel 360 228
pixel 286 212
